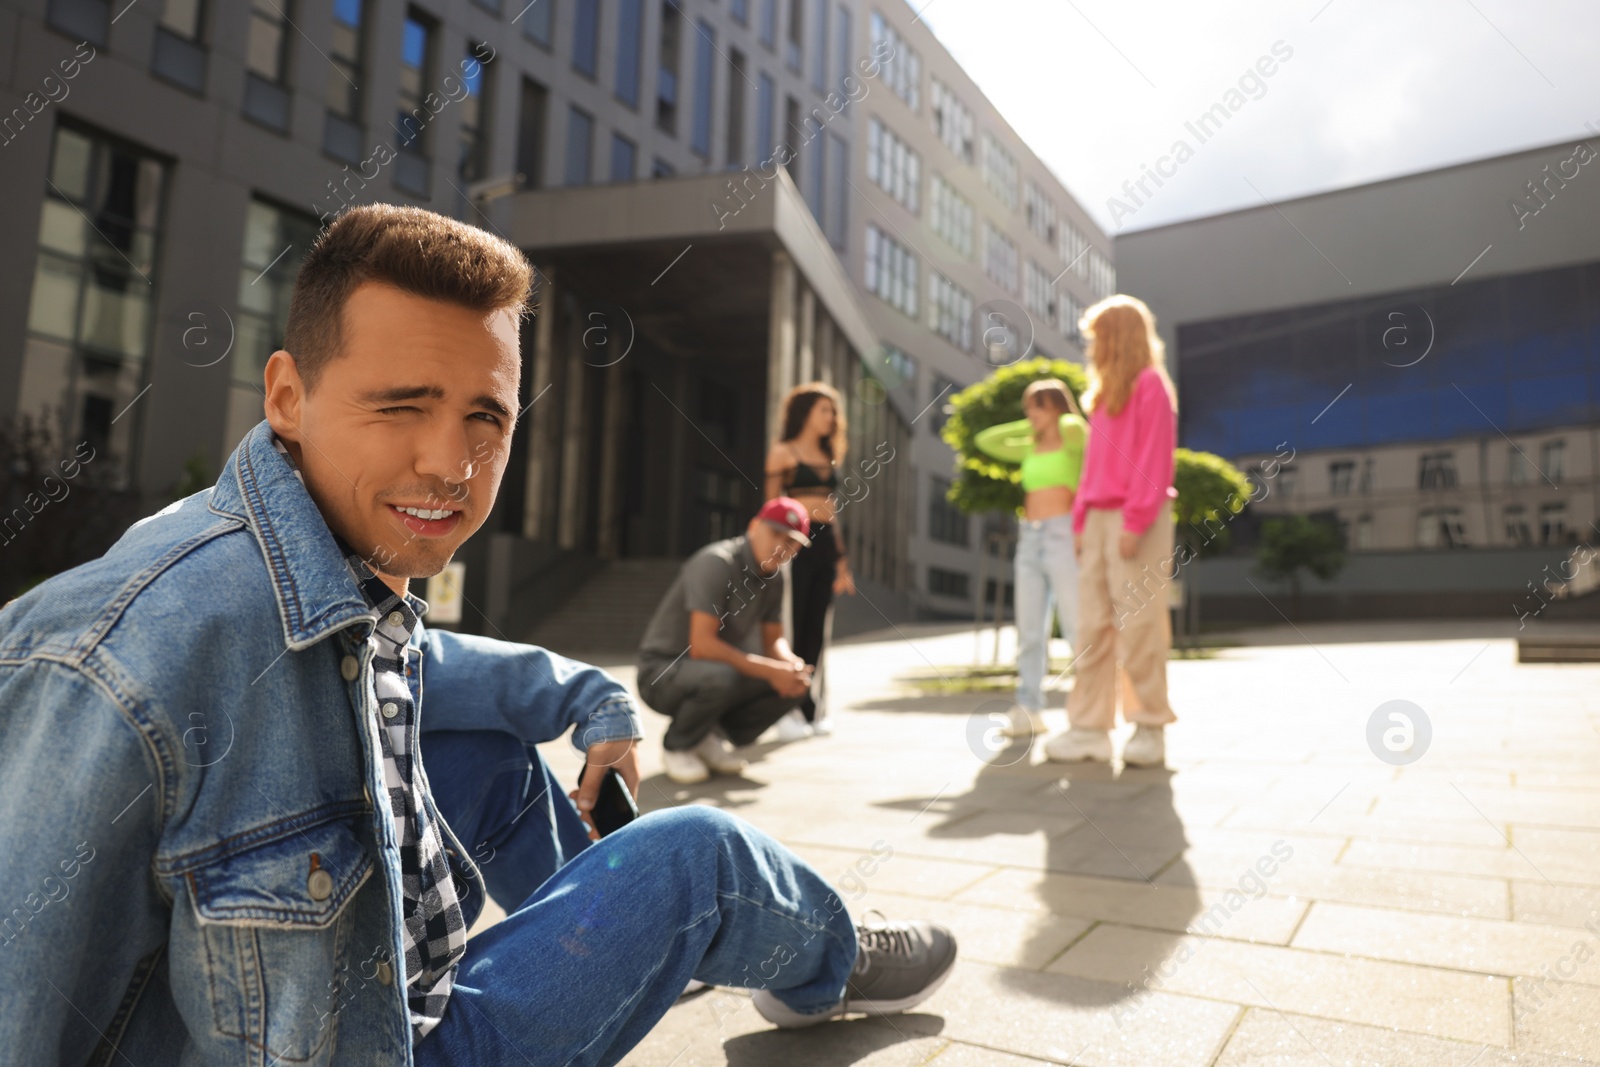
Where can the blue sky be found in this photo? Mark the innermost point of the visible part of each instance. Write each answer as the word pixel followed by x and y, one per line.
pixel 1374 88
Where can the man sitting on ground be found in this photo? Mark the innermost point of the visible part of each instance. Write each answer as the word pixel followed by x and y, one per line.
pixel 700 663
pixel 221 845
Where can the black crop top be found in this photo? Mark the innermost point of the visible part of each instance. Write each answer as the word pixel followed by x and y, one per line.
pixel 805 476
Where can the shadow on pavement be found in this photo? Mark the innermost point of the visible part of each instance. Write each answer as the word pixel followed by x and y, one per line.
pixel 832 1044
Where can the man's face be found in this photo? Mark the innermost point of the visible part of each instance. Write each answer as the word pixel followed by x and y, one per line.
pixel 771 547
pixel 415 414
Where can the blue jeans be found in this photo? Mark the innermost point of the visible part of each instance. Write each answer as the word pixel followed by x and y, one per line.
pixel 600 938
pixel 1045 571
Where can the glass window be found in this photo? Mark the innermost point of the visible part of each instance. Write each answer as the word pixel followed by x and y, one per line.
pixel 347 53
pixel 891 271
pixel 580 146
pixel 1075 250
pixel 953 123
pixel 667 69
pixel 531 125
pixel 662 169
pixel 94 287
pixel 819 53
pixel 1038 294
pixel 623 154
pixel 942 582
pixel 1340 474
pixel 768 30
pixel 766 100
pixel 1552 460
pixel 999 257
pixel 902 71
pixel 950 311
pixel 182 18
pixel 837 210
pixel 939 390
pixel 630 20
pixel 737 79
pixel 1553 524
pixel 1437 470
pixel 952 216
pixel 946 522
pixel 537 18
pixel 794 43
pixel 586 36
pixel 705 59
pixel 1000 170
pixel 841 44
pixel 893 166
pixel 266 47
pixel 1041 212
pixel 1517 530
pixel 415 54
pixel 1441 528
pixel 740 10
pixel 474 114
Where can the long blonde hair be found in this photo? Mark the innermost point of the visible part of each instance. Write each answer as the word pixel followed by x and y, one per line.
pixel 1122 342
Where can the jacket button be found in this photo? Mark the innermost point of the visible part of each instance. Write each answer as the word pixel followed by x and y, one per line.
pixel 349 667
pixel 390 709
pixel 320 884
pixel 385 972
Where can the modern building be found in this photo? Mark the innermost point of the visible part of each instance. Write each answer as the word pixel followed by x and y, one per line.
pixel 709 191
pixel 1417 359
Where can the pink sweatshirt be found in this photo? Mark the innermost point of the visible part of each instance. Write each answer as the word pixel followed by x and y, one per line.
pixel 1128 463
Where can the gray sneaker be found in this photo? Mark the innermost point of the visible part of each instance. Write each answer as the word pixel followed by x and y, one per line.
pixel 898 966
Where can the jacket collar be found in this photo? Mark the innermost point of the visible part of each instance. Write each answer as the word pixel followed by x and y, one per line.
pixel 315 589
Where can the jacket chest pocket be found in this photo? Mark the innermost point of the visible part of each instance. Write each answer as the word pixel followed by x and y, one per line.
pixel 274 926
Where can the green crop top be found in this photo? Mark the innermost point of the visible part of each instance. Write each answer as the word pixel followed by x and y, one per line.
pixel 1012 442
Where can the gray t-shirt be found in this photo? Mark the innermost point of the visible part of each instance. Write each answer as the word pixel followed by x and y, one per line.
pixel 721 579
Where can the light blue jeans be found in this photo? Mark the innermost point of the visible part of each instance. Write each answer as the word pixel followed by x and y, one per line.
pixel 600 938
pixel 1045 575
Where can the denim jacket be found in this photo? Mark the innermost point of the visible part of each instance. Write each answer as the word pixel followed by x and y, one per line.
pixel 195 871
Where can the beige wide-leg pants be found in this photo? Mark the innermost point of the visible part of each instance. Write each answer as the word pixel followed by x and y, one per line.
pixel 1122 615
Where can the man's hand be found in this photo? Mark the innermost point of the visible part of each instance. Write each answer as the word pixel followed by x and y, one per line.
pixel 1128 544
pixel 624 756
pixel 793 680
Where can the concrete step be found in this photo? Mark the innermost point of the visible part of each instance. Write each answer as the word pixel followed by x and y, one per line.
pixel 609 612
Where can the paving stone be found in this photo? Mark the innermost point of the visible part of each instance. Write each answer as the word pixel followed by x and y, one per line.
pixel 1422 1000
pixel 1483 945
pixel 1269 918
pixel 1267 1038
pixel 1558 1018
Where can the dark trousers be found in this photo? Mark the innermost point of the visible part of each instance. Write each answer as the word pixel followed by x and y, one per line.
pixel 812 573
pixel 700 695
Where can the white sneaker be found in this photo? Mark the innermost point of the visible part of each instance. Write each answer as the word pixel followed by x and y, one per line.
pixel 721 757
pixel 793 726
pixel 1146 748
pixel 823 727
pixel 685 768
pixel 1078 744
pixel 1023 722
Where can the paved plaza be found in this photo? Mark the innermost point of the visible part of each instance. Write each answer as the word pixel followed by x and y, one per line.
pixel 1280 895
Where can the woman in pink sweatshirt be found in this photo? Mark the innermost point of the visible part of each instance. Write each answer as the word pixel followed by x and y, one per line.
pixel 1123 529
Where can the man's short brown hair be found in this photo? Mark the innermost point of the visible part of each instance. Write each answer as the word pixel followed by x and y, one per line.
pixel 417 251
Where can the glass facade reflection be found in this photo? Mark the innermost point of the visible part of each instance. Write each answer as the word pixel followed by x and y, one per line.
pixel 1517 353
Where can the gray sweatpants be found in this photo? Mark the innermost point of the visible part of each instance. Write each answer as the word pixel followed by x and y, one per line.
pixel 700 695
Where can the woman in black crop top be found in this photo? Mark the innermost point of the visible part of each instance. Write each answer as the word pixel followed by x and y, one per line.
pixel 803 464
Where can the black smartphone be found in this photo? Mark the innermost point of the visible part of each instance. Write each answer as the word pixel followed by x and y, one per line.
pixel 614 807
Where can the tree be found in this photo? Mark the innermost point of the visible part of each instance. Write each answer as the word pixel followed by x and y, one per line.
pixel 1211 491
pixel 984 484
pixel 1296 541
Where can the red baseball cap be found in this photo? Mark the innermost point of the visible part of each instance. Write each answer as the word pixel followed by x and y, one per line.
pixel 788 514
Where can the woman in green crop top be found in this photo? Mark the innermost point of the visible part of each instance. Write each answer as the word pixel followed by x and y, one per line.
pixel 1047 443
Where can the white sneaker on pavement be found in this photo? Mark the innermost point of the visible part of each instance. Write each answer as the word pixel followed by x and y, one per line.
pixel 1146 748
pixel 721 757
pixel 1079 744
pixel 823 726
pixel 1023 722
pixel 685 768
pixel 793 726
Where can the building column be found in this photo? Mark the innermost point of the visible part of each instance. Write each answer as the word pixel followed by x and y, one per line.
pixel 782 335
pixel 609 536
pixel 807 362
pixel 540 470
pixel 574 429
